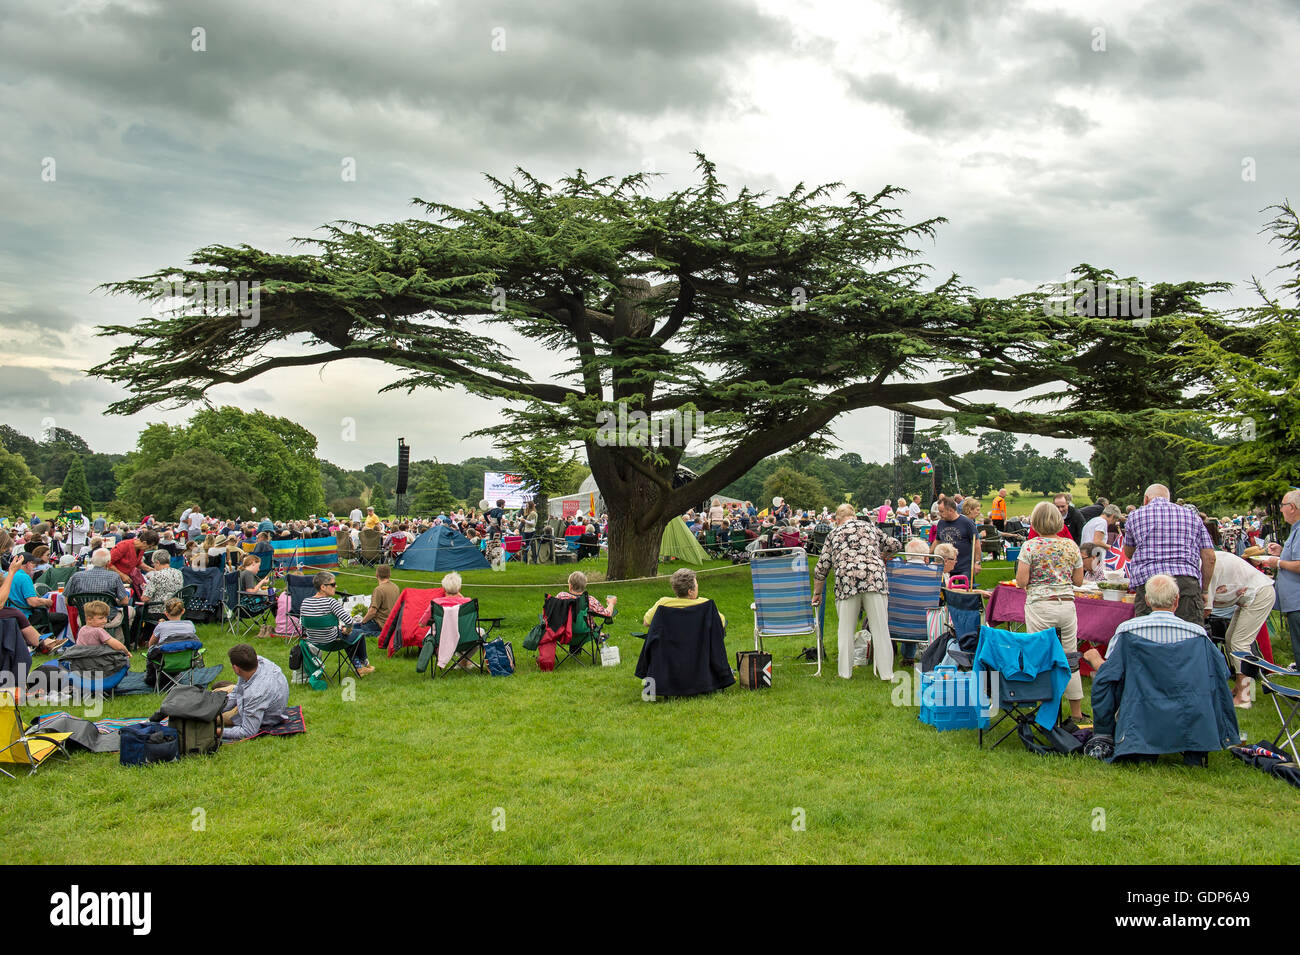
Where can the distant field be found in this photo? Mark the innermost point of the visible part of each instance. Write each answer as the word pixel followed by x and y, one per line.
pixel 1023 505
pixel 36 505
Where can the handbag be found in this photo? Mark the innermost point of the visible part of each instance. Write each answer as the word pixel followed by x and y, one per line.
pixel 147 742
pixel 500 657
pixel 754 668
pixel 534 638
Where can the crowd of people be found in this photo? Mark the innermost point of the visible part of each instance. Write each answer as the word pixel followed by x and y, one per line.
pixel 1184 565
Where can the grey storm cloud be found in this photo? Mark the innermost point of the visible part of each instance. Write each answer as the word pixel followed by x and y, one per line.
pixel 556 66
pixel 1011 66
pixel 24 391
pixel 997 115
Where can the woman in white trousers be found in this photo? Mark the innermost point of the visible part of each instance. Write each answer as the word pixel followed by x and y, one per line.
pixel 875 605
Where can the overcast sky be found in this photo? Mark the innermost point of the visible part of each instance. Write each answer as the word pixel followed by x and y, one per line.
pixel 1043 151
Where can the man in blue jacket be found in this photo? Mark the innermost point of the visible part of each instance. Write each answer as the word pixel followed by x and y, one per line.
pixel 1163 686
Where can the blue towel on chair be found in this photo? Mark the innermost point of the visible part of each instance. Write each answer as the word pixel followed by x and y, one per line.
pixel 1021 657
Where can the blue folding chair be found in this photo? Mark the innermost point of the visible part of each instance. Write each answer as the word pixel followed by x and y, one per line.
pixel 966 613
pixel 913 592
pixel 783 597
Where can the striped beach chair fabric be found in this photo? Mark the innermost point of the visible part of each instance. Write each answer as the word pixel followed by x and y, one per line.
pixel 783 596
pixel 913 591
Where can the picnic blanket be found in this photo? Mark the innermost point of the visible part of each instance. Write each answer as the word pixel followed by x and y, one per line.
pixel 292 725
pixel 134 682
pixel 100 736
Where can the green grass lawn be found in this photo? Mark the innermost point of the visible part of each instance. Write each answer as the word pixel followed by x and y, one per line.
pixel 572 766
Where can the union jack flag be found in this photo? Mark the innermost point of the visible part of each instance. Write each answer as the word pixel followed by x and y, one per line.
pixel 1115 559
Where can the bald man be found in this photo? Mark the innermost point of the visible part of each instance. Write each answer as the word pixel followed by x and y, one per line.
pixel 1162 538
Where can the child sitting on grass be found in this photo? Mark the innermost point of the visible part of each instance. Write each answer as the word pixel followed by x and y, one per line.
pixel 93 633
pixel 173 628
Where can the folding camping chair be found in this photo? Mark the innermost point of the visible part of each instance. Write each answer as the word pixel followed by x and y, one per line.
pixel 371 551
pixel 396 548
pixel 1018 698
pixel 914 587
pixel 244 611
pixel 992 542
pixel 588 635
pixel 783 596
pixel 346 553
pixel 80 600
pixel 713 546
pixel 17 747
pixel 299 587
pixel 321 638
pixel 471 640
pixel 965 610
pixel 819 535
pixel 1269 677
pixel 172 660
pixel 586 631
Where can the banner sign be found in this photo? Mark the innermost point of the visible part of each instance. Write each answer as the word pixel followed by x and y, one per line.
pixel 315 552
pixel 570 510
pixel 498 485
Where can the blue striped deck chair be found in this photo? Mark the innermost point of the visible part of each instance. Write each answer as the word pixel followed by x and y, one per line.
pixel 783 596
pixel 913 589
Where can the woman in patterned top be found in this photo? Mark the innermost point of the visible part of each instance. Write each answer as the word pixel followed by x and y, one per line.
pixel 1049 569
pixel 856 550
pixel 162 583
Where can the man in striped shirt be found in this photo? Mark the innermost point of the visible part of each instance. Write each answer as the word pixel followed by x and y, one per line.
pixel 1161 537
pixel 324 603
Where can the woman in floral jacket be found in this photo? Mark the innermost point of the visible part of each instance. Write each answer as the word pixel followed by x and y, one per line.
pixel 856 550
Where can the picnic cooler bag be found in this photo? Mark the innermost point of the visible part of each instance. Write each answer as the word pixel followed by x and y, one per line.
pixel 148 743
pixel 754 668
pixel 951 698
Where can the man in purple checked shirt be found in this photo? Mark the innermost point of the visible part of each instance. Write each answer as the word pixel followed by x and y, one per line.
pixel 1161 537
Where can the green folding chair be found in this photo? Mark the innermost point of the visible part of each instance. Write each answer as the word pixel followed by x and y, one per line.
pixel 80 600
pixel 321 638
pixel 471 642
pixel 588 635
pixel 171 665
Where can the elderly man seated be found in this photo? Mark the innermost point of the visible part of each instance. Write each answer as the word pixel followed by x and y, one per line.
pixel 1163 685
pixel 324 603
pixel 261 697
pixel 98 579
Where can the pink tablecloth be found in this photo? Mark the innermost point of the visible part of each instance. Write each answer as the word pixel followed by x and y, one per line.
pixel 1097 618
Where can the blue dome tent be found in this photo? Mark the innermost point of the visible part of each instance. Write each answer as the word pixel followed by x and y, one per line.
pixel 441 549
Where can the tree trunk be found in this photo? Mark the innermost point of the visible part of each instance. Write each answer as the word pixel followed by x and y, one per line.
pixel 633 551
pixel 635 502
